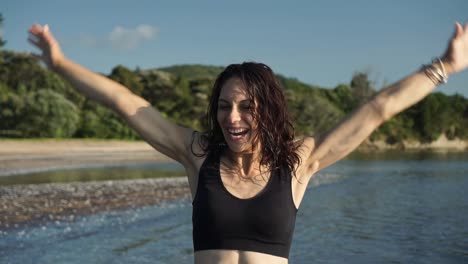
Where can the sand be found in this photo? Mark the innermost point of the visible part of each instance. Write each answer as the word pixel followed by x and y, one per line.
pixel 26 156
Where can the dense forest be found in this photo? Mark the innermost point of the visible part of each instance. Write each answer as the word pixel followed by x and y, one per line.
pixel 37 103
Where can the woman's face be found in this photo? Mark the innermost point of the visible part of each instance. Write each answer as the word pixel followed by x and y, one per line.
pixel 235 116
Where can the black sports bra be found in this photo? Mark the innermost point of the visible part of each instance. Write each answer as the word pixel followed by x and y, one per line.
pixel 263 223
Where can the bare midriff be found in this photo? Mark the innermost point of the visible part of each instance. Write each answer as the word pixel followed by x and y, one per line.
pixel 236 257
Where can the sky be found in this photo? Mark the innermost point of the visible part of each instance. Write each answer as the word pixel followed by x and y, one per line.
pixel 321 43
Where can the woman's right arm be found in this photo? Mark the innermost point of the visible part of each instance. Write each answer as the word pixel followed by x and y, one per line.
pixel 166 137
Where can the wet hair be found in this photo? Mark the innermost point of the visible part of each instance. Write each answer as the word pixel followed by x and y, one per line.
pixel 275 131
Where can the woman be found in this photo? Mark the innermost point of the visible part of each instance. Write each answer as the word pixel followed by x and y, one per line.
pixel 248 173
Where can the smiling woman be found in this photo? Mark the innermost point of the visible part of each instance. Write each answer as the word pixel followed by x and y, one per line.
pixel 248 173
pixel 247 106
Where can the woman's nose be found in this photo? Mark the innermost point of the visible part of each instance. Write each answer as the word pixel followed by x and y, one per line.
pixel 234 116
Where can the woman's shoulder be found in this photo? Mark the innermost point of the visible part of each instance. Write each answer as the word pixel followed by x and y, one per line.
pixel 305 145
pixel 305 148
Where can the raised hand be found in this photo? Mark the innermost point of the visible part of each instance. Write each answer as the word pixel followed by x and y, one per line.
pixel 457 51
pixel 42 38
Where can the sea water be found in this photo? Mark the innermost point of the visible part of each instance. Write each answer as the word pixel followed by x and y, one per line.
pixel 399 208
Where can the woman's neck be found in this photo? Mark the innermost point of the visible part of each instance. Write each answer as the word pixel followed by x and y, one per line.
pixel 248 164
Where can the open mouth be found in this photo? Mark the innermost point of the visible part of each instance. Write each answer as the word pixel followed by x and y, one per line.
pixel 237 133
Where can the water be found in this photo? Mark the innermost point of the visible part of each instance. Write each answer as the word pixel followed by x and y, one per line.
pixel 159 234
pixel 141 171
pixel 371 209
pixel 386 211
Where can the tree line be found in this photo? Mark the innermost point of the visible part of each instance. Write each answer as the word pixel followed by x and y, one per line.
pixel 37 103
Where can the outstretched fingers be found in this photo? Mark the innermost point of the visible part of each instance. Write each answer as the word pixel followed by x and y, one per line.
pixel 458 30
pixel 460 46
pixel 38 43
pixel 461 30
pixel 36 30
pixel 40 36
pixel 34 41
pixel 465 33
pixel 36 36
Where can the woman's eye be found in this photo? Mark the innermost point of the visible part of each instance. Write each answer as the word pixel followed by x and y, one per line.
pixel 246 107
pixel 224 107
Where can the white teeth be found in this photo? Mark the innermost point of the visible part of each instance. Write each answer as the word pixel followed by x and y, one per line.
pixel 238 130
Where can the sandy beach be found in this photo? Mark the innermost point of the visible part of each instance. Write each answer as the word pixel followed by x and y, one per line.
pixel 26 204
pixel 27 156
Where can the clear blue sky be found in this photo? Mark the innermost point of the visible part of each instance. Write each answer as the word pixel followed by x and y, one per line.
pixel 318 42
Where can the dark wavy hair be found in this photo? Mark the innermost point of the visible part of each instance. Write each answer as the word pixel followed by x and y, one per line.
pixel 275 131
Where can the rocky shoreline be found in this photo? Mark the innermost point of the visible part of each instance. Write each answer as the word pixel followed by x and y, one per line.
pixel 40 203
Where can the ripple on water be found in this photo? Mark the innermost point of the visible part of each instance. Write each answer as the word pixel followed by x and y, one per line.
pixel 377 212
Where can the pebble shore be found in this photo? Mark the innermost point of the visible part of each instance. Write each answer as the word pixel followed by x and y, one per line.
pixel 40 203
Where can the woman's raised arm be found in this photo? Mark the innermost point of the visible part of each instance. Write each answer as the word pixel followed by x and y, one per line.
pixel 170 139
pixel 333 145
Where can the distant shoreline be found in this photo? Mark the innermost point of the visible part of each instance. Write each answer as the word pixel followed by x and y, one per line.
pixel 23 156
pixel 442 144
pixel 29 156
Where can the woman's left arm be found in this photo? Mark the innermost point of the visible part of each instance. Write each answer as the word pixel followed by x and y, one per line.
pixel 333 145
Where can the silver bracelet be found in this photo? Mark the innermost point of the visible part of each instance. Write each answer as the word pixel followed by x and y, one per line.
pixel 437 75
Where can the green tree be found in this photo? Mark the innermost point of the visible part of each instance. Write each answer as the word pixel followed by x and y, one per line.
pixel 458 127
pixel 11 107
pixel 194 71
pixel 313 113
pixel 97 121
pixel 395 130
pixel 181 94
pixel 23 74
pixel 48 114
pixel 433 117
pixel 127 78
pixel 2 41
pixel 342 97
pixel 361 87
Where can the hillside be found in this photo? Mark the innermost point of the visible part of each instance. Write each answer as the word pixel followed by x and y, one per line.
pixel 37 103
